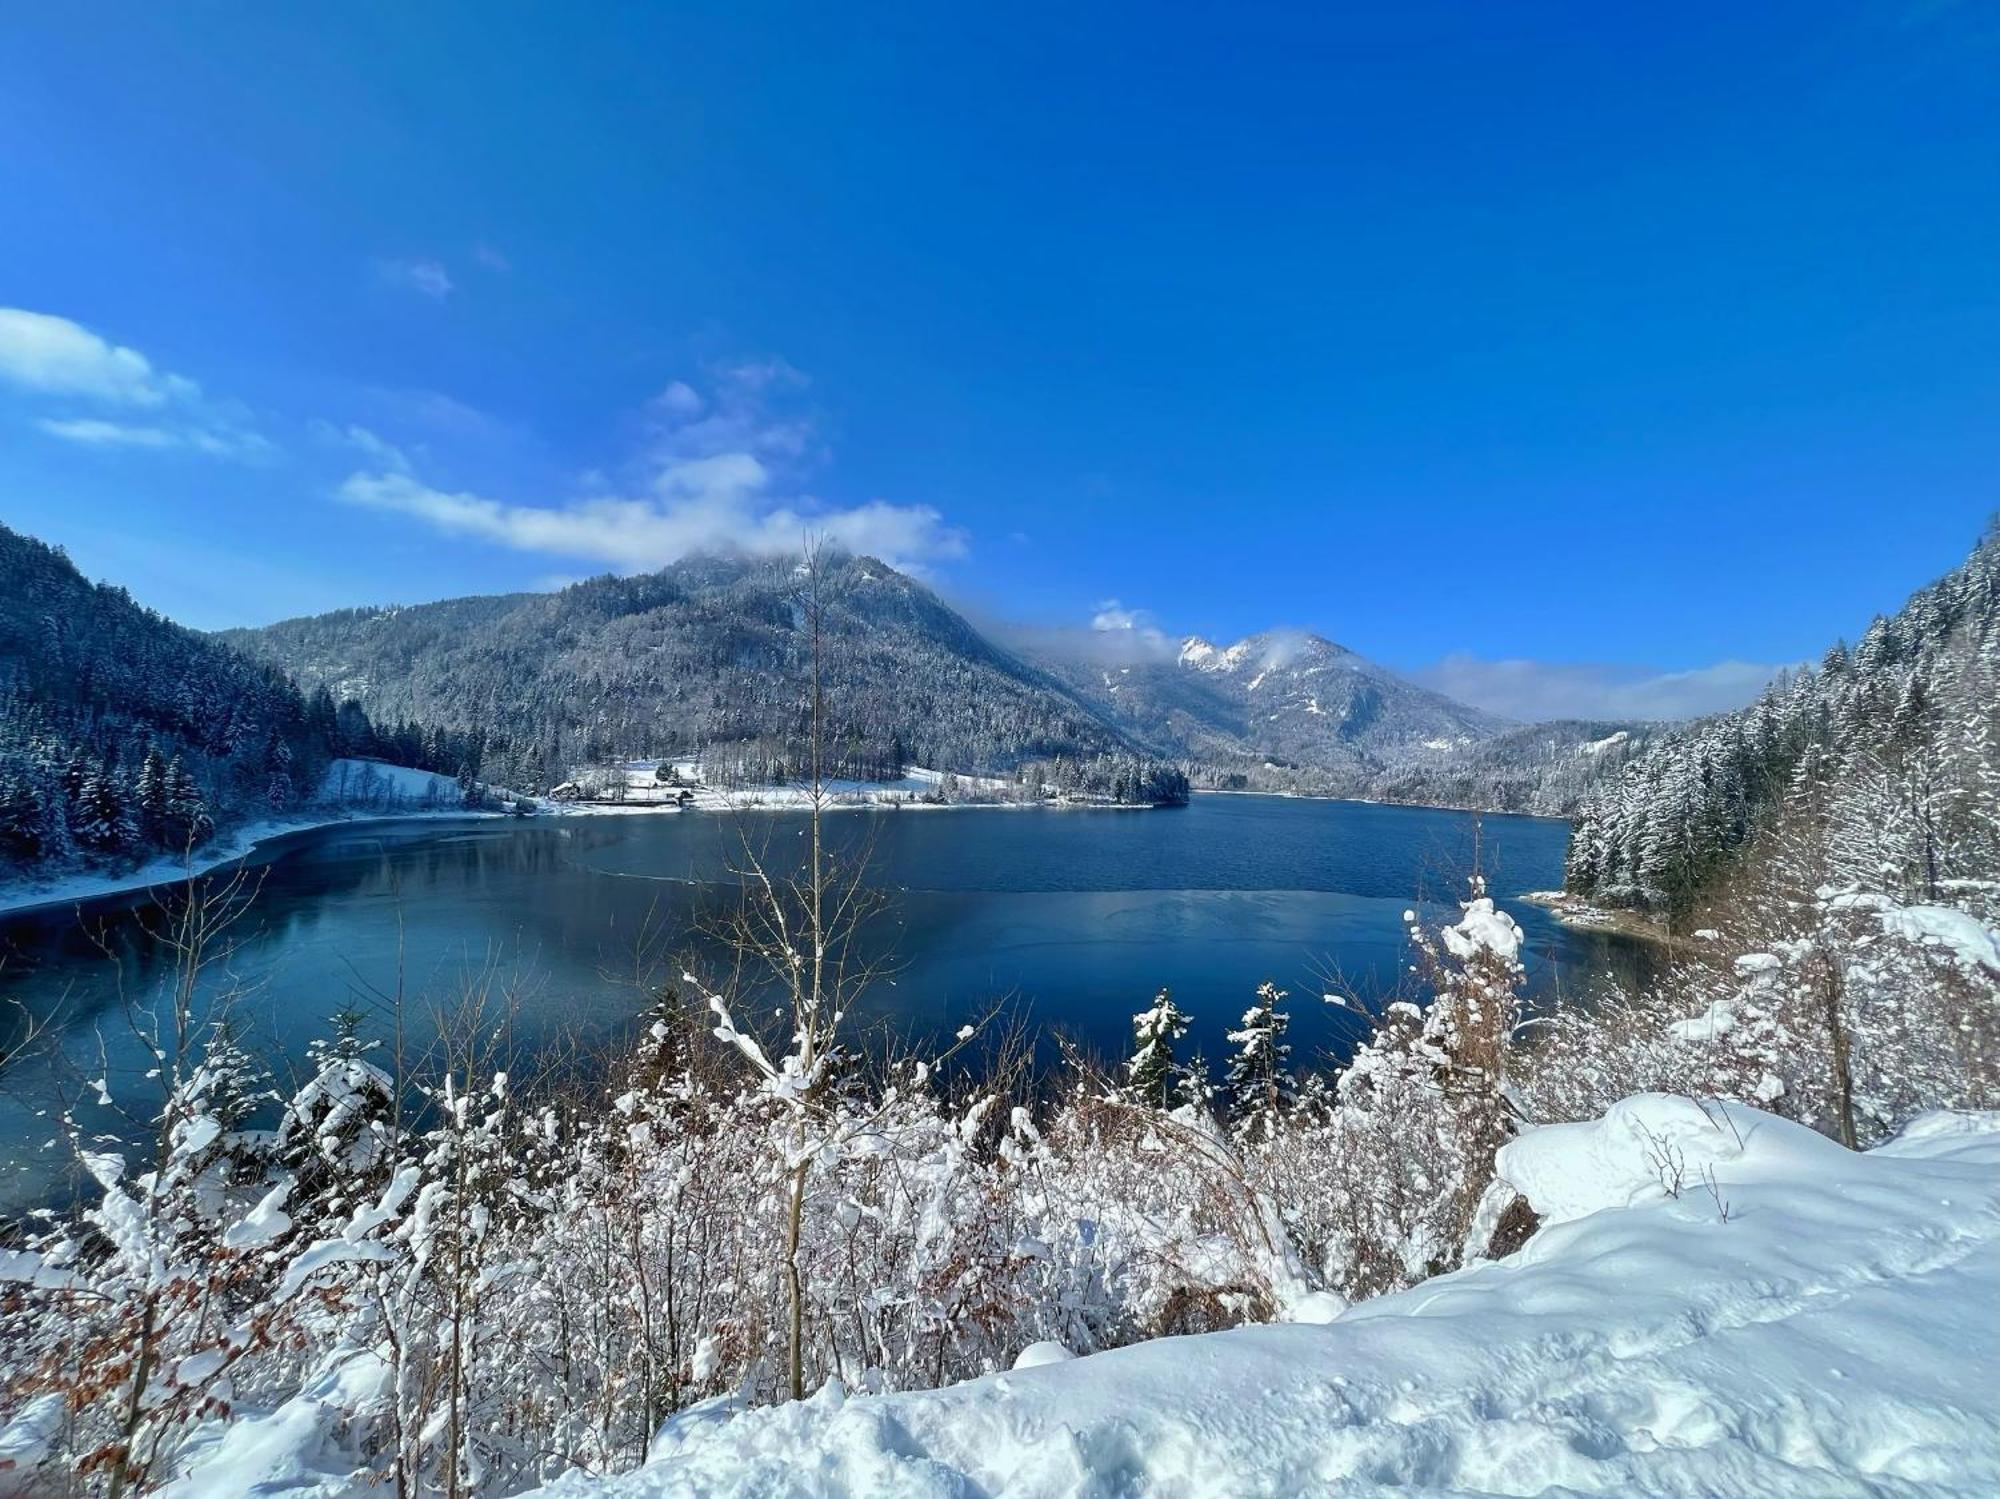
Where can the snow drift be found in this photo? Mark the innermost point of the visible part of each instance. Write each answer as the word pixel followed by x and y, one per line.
pixel 1718 1302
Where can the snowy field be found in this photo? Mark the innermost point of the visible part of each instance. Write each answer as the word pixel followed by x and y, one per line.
pixel 917 787
pixel 1719 1303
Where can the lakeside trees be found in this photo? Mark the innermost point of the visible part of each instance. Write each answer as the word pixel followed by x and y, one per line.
pixel 123 735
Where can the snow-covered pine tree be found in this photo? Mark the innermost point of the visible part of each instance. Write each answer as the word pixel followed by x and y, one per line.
pixel 1259 1083
pixel 100 818
pixel 1153 1075
pixel 188 822
pixel 150 796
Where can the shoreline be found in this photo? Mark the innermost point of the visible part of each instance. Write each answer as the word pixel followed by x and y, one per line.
pixel 1380 801
pixel 237 848
pixel 1581 916
pixel 266 836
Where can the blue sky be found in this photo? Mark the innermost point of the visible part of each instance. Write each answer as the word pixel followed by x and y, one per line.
pixel 1539 350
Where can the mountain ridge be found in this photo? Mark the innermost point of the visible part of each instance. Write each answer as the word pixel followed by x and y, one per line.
pixel 704 656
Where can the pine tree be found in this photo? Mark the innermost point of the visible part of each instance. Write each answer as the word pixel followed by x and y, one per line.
pixel 1258 1082
pixel 1152 1076
pixel 101 819
pixel 279 793
pixel 152 794
pixel 187 821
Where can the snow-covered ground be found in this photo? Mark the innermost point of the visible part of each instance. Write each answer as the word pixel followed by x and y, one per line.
pixel 1719 1303
pixel 918 787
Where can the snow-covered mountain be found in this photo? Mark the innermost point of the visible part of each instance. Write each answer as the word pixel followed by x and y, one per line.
pixel 1283 701
pixel 706 653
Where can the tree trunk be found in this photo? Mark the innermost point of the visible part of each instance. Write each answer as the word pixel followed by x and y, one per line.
pixel 796 1281
pixel 1843 1077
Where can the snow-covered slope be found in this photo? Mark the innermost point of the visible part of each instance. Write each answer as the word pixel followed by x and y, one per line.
pixel 1719 1303
pixel 1284 698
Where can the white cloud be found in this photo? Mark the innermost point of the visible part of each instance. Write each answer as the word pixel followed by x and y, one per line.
pixel 93 433
pixel 1128 634
pixel 216 442
pixel 62 363
pixel 1112 615
pixel 679 400
pixel 53 356
pixel 491 258
pixel 714 473
pixel 427 278
pixel 1535 690
pixel 638 534
pixel 1114 636
pixel 385 455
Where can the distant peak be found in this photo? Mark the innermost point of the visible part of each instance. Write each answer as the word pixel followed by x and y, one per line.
pixel 1197 652
pixel 1270 650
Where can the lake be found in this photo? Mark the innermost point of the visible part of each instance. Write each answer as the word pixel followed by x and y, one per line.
pixel 1077 916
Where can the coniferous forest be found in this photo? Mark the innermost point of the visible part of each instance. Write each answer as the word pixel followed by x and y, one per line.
pixel 124 735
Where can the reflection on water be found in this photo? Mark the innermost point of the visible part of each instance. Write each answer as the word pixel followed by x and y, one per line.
pixel 1079 916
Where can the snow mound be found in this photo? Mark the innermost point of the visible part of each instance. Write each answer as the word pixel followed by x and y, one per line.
pixel 1039 1355
pixel 1483 926
pixel 1656 1146
pixel 1816 1326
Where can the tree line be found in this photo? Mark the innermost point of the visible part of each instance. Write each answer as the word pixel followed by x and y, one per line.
pixel 124 735
pixel 1899 731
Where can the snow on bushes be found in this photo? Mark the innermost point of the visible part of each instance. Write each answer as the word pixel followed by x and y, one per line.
pixel 1814 1343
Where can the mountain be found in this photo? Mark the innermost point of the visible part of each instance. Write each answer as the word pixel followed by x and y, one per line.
pixel 123 734
pixel 706 655
pixel 1283 710
pixel 1885 759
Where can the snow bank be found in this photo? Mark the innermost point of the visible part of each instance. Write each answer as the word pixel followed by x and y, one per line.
pixel 295 1449
pixel 1818 1325
pixel 1654 1147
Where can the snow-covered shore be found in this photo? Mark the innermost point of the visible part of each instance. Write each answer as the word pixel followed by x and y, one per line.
pixel 1583 916
pixel 366 791
pixel 352 791
pixel 1718 1302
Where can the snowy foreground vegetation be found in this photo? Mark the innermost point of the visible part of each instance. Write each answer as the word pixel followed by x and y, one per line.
pixel 1803 1322
pixel 513 1285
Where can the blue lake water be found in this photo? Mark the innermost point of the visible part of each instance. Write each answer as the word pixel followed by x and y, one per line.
pixel 1077 917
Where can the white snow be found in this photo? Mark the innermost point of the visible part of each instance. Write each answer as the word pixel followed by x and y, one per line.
pixel 1197 652
pixel 1962 936
pixel 1798 1321
pixel 1599 746
pixel 292 1450
pixel 1037 1355
pixel 1484 925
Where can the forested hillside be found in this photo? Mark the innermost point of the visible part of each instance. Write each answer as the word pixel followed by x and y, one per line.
pixel 1547 768
pixel 1887 752
pixel 706 656
pixel 123 734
